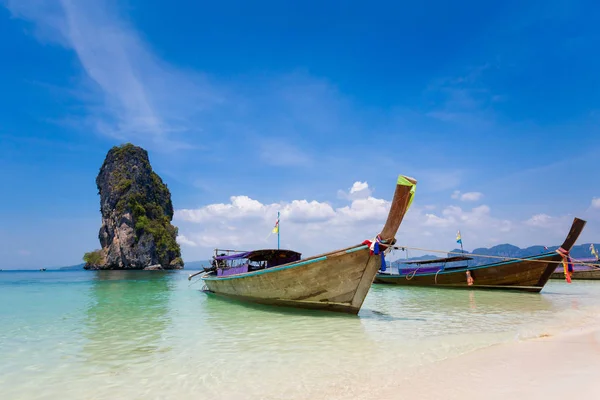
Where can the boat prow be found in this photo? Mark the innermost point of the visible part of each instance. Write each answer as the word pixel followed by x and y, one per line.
pixel 336 281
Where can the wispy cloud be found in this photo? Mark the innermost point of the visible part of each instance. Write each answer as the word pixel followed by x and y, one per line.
pixel 138 96
pixel 279 153
pixel 464 100
pixel 468 196
pixel 437 180
pixel 132 94
pixel 596 202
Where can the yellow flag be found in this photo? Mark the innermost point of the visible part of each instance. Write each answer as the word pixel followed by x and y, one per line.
pixel 593 250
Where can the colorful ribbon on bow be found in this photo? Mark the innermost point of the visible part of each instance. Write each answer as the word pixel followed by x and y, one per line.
pixel 567 263
pixel 375 249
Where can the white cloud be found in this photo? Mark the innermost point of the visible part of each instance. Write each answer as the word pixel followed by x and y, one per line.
pixel 303 211
pixel 244 208
pixel 596 202
pixel 359 187
pixel 539 220
pixel 307 224
pixel 549 223
pixel 456 216
pixel 365 209
pixel 239 207
pixel 182 240
pixel 434 220
pixel 469 196
pixel 359 190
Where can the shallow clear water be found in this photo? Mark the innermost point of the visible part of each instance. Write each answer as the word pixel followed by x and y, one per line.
pixel 152 335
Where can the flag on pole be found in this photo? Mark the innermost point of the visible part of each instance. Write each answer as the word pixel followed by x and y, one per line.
pixel 276 227
pixel 593 250
pixel 458 237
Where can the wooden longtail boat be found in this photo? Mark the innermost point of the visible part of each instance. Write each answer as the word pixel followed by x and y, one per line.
pixel 336 281
pixel 580 271
pixel 528 274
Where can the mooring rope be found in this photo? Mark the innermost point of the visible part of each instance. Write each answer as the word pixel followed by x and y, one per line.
pixel 199 279
pixel 413 274
pixel 193 282
pixel 436 274
pixel 574 260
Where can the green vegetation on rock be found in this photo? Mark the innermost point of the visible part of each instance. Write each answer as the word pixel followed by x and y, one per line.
pixel 93 258
pixel 150 218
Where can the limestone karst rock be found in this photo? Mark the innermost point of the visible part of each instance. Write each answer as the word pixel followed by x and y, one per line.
pixel 136 209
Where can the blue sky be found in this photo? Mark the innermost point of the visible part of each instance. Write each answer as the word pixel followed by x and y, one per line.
pixel 308 108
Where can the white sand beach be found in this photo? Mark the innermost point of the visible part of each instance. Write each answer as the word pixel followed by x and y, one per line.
pixel 546 368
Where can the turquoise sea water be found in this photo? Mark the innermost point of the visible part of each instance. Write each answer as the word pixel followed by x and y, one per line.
pixel 152 335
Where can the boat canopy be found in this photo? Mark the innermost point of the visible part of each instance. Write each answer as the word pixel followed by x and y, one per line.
pixel 263 255
pixel 440 260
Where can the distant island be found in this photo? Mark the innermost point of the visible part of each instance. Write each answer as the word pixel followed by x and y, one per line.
pixel 581 251
pixel 197 265
pixel 71 267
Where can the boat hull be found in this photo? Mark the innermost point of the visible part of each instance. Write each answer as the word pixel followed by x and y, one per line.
pixel 337 281
pixel 578 275
pixel 528 275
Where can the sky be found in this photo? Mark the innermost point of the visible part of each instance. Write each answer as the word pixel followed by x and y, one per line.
pixel 309 109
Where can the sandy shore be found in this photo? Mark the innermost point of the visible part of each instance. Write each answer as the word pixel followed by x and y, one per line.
pixel 547 368
pixel 553 367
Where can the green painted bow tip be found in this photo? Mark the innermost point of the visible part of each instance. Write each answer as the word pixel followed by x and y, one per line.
pixel 403 180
